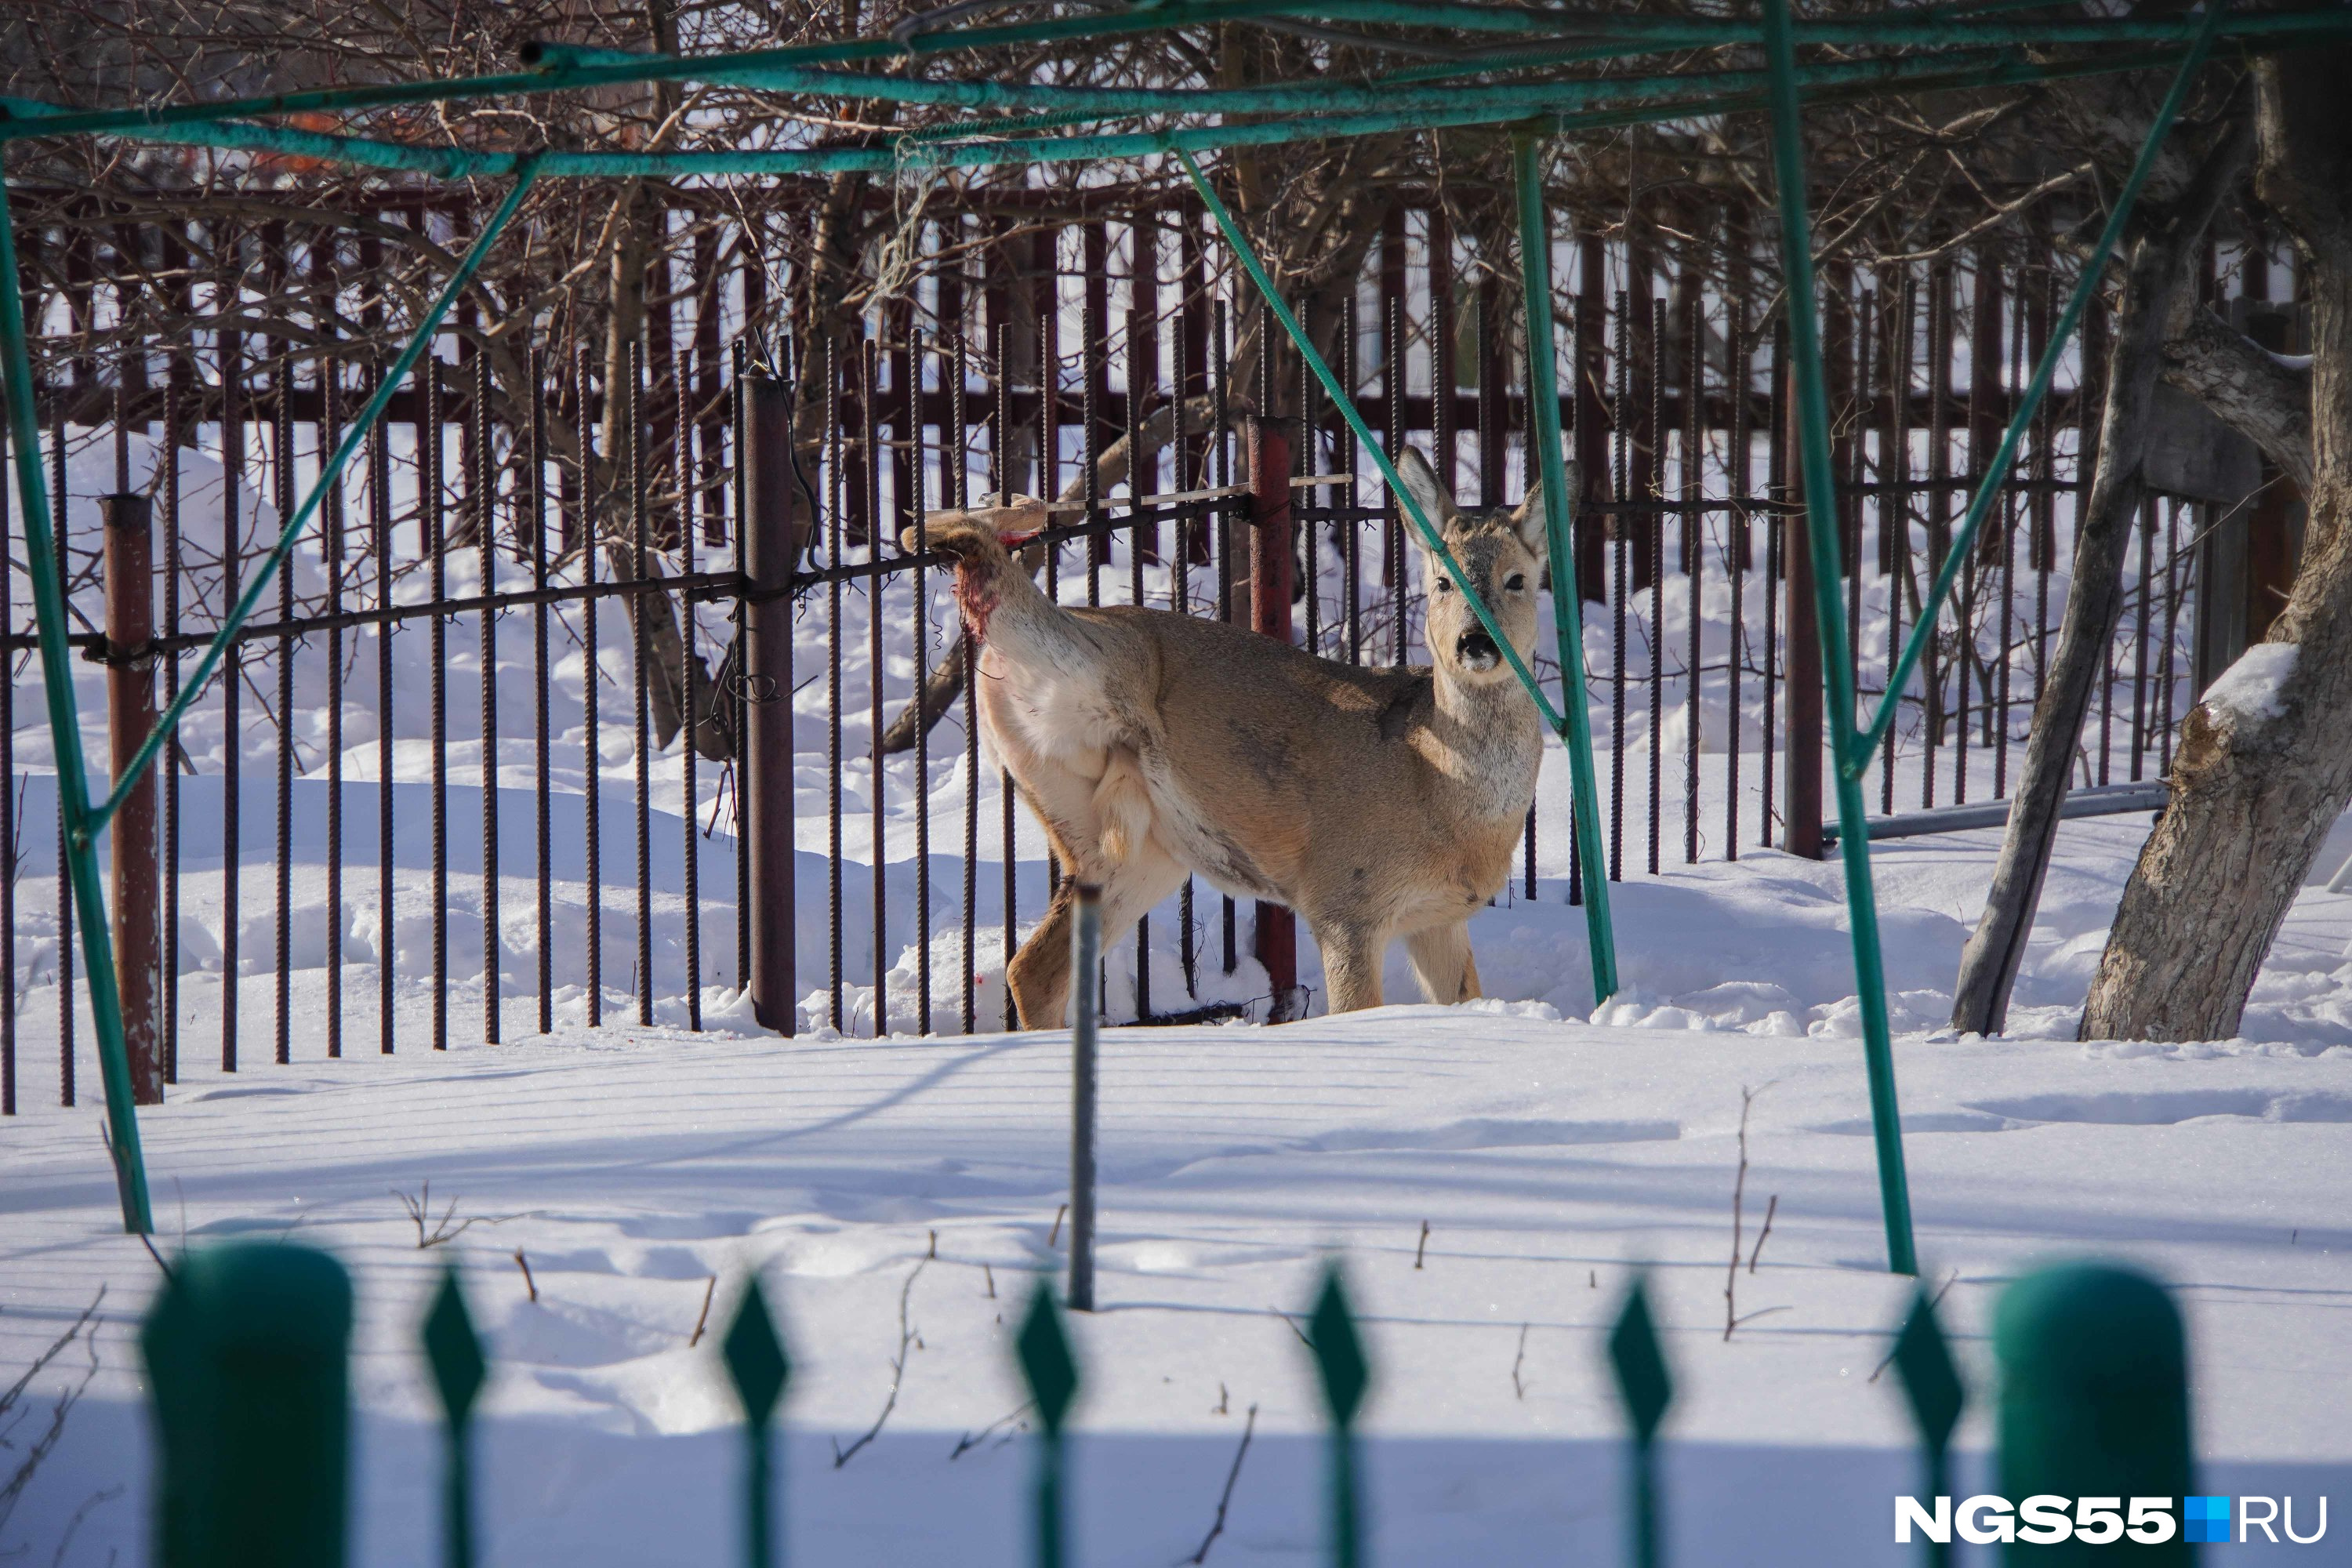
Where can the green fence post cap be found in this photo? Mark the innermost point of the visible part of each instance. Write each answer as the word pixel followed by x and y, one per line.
pixel 1931 1383
pixel 1640 1364
pixel 1338 1349
pixel 453 1349
pixel 755 1356
pixel 1045 1358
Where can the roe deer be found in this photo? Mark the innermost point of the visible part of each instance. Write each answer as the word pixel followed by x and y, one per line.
pixel 1375 802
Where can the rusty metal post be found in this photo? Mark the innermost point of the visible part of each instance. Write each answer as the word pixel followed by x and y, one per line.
pixel 770 543
pixel 1801 811
pixel 1276 927
pixel 130 715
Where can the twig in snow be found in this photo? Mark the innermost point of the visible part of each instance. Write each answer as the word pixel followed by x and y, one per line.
pixel 702 1319
pixel 1732 1318
pixel 1055 1235
pixel 934 1252
pixel 148 1242
pixel 1224 1402
pixel 907 1338
pixel 1770 1209
pixel 420 1211
pixel 1225 1499
pixel 971 1440
pixel 13 1490
pixel 1518 1384
pixel 529 1283
pixel 990 1275
pixel 73 1525
pixel 1933 1302
pixel 1288 1323
pixel 1422 1246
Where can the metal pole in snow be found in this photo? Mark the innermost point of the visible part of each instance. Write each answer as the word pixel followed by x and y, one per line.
pixel 1086 1003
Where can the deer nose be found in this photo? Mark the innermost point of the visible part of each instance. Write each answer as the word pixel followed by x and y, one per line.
pixel 1477 651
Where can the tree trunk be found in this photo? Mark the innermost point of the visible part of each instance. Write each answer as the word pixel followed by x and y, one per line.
pixel 2159 272
pixel 2265 762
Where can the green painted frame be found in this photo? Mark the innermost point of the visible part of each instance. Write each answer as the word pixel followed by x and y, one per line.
pixel 1984 53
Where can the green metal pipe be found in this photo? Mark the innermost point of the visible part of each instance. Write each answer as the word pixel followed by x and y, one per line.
pixel 1853 757
pixel 1340 399
pixel 1840 82
pixel 789 70
pixel 65 735
pixel 328 473
pixel 1821 513
pixel 1566 601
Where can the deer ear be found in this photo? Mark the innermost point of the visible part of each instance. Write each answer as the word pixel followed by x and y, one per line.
pixel 1530 521
pixel 1421 484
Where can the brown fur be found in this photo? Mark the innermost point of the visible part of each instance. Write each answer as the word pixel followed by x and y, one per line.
pixel 1376 803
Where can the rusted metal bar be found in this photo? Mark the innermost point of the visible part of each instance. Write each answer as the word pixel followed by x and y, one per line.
pixel 129 713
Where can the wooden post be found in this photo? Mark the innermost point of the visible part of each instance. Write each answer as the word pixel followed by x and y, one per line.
pixel 772 534
pixel 130 715
pixel 1275 927
pixel 1800 809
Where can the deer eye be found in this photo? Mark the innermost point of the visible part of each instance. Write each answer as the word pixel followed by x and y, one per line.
pixel 1444 585
pixel 1516 581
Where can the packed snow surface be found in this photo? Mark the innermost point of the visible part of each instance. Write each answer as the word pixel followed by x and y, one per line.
pixel 1549 1160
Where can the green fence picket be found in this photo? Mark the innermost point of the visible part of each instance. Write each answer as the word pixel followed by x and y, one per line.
pixel 454 1351
pixel 1345 1374
pixel 1638 1364
pixel 2095 1403
pixel 1051 1370
pixel 1932 1389
pixel 760 1367
pixel 247 1349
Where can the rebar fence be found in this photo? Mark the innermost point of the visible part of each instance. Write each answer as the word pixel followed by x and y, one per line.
pixel 247 1349
pixel 354 856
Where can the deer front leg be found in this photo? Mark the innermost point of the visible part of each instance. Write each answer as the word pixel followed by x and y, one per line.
pixel 1441 962
pixel 1039 975
pixel 1352 964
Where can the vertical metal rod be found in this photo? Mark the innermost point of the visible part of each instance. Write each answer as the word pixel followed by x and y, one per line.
pixel 957 451
pixel 1351 556
pixel 485 485
pixel 2006 552
pixel 1619 492
pixel 1939 521
pixel 436 523
pixel 914 506
pixel 739 699
pixel 2139 637
pixel 835 529
pixel 232 687
pixel 1141 371
pixel 281 466
pixel 1736 554
pixel 173 411
pixel 689 494
pixel 534 523
pixel 869 411
pixel 130 585
pixel 8 790
pixel 2165 689
pixel 591 684
pixel 1693 557
pixel 1653 541
pixel 1087 1011
pixel 999 479
pixel 1180 593
pixel 330 551
pixel 1221 445
pixel 1894 524
pixel 640 671
pixel 49 608
pixel 1853 842
pixel 380 520
pixel 1392 524
pixel 1566 596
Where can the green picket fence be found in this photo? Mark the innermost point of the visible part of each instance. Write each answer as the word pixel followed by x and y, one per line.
pixel 248 1347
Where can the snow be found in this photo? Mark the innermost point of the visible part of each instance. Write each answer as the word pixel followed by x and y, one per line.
pixel 2252 689
pixel 1551 1147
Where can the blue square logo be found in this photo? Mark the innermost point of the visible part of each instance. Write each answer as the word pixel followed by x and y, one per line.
pixel 2205 1518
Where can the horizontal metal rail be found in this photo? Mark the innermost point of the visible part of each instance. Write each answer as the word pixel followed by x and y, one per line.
pixel 2099 800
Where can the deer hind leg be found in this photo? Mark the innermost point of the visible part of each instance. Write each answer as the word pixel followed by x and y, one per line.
pixel 1039 976
pixel 1442 962
pixel 1352 964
